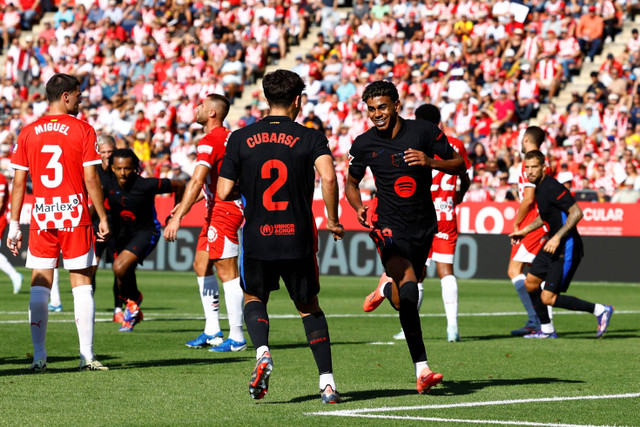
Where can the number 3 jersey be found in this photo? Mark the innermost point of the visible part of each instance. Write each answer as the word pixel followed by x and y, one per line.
pixel 273 160
pixel 54 150
pixel 443 192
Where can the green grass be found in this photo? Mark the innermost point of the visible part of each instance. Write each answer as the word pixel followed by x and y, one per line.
pixel 155 380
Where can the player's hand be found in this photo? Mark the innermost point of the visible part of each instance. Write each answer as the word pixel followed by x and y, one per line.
pixel 362 216
pixel 171 230
pixel 14 237
pixel 551 245
pixel 516 236
pixel 103 231
pixel 336 229
pixel 416 158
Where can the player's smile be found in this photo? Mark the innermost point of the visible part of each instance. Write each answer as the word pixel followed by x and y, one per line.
pixel 382 112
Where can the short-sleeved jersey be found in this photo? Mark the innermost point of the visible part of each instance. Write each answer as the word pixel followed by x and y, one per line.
pixel 403 192
pixel 54 150
pixel 443 191
pixel 554 201
pixel 273 160
pixel 133 208
pixel 211 150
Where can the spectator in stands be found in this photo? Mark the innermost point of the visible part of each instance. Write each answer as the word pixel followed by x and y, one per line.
pixel 589 32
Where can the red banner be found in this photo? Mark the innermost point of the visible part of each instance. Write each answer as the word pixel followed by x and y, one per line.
pixel 600 219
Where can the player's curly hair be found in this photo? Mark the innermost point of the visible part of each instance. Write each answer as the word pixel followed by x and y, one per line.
pixel 281 87
pixel 59 84
pixel 429 113
pixel 380 88
pixel 126 153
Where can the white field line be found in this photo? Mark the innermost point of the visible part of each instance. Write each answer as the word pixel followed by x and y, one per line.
pixel 53 317
pixel 369 412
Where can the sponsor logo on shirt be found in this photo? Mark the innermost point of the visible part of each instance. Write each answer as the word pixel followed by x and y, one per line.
pixel 278 229
pixel 405 186
pixel 56 213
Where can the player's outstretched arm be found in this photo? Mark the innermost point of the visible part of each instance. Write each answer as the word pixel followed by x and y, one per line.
pixel 329 183
pixel 94 188
pixel 519 234
pixel 453 166
pixel 574 216
pixel 352 192
pixel 189 198
pixel 14 238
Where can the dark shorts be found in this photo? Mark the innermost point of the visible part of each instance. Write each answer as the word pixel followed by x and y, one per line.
pixel 414 250
pixel 557 269
pixel 100 247
pixel 300 276
pixel 140 243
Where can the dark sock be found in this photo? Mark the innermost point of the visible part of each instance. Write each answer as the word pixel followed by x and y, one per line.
pixel 410 322
pixel 573 303
pixel 539 307
pixel 317 331
pixel 386 291
pixel 117 299
pixel 256 320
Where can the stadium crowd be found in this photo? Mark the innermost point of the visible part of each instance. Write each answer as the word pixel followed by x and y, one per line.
pixel 144 66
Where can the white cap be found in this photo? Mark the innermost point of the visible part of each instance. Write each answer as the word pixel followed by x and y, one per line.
pixel 565 176
pixel 458 72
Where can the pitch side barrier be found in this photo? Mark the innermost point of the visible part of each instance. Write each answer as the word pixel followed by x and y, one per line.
pixel 611 233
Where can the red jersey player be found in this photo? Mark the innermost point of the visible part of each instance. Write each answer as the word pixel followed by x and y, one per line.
pixel 218 241
pixel 524 250
pixel 60 153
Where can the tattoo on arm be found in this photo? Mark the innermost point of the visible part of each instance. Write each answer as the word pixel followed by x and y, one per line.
pixel 574 216
pixel 535 224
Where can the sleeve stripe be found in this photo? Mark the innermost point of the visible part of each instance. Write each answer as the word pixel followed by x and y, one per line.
pixel 22 168
pixel 92 162
pixel 203 163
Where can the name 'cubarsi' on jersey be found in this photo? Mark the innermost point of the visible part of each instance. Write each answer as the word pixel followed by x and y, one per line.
pixel 277 138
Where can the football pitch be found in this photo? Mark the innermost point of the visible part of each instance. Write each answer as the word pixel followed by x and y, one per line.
pixel 489 377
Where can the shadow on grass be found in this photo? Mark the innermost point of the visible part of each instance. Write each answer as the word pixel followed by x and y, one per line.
pixel 618 333
pixel 447 388
pixel 51 363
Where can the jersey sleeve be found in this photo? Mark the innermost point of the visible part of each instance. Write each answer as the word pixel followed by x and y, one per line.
pixel 230 167
pixel 90 152
pixel 19 155
pixel 440 145
pixel 357 167
pixel 320 147
pixel 158 185
pixel 561 196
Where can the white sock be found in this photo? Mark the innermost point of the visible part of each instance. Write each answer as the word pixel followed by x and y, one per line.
pixel 210 296
pixel 549 307
pixel 598 310
pixel 518 283
pixel 419 367
pixel 547 328
pixel 234 300
pixel 6 266
pixel 55 289
pixel 260 351
pixel 327 379
pixel 449 286
pixel 84 309
pixel 420 294
pixel 38 319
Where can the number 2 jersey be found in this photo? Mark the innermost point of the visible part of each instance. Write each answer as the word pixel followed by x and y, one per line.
pixel 443 192
pixel 54 150
pixel 273 159
pixel 403 192
pixel 210 151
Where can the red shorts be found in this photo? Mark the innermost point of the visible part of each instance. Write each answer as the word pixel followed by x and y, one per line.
pixel 443 248
pixel 219 236
pixel 76 245
pixel 527 249
pixel 3 225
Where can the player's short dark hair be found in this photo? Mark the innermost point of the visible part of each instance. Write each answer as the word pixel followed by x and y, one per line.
pixel 220 100
pixel 536 134
pixel 281 87
pixel 59 84
pixel 535 154
pixel 429 113
pixel 126 153
pixel 380 88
